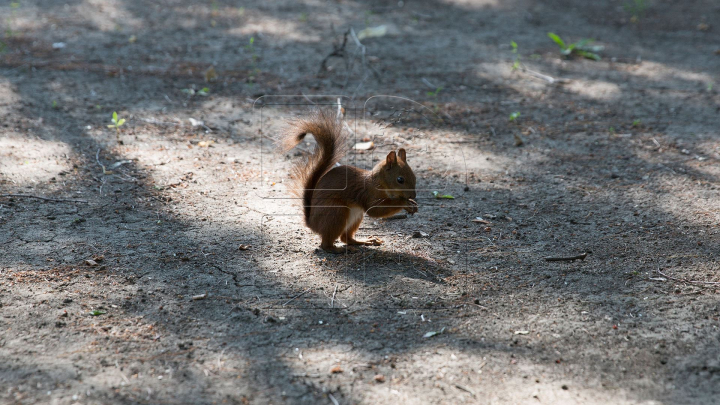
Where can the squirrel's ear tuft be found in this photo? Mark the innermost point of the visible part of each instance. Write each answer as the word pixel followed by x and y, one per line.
pixel 391 159
pixel 401 155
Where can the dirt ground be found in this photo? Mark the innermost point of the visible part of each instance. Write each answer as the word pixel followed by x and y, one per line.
pixel 182 272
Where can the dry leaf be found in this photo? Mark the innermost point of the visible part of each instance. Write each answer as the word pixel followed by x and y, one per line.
pixel 364 145
pixel 244 247
pixel 380 378
pixel 210 74
pixel 91 263
pixel 336 370
pixel 199 297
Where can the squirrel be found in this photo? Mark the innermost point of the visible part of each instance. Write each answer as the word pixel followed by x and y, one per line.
pixel 335 197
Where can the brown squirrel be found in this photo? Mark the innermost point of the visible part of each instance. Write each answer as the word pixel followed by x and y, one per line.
pixel 336 197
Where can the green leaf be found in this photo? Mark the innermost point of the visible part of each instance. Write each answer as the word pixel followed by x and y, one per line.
pixel 557 40
pixel 589 55
pixel 445 196
pixel 514 46
pixel 514 116
pixel 111 126
pixel 114 119
pixel 122 121
pixel 97 313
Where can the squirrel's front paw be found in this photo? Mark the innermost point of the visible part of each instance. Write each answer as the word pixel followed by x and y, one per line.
pixel 412 206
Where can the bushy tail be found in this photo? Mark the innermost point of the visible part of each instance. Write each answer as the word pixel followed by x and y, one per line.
pixel 331 147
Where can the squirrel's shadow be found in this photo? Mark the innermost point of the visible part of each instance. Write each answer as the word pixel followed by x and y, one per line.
pixel 377 265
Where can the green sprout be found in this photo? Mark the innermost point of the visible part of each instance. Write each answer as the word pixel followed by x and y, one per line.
pixel 636 123
pixel 97 313
pixel 116 123
pixel 55 105
pixel 580 48
pixel 515 115
pixel 434 93
pixel 516 63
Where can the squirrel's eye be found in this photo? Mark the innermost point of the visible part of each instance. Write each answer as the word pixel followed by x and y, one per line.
pixel 401 180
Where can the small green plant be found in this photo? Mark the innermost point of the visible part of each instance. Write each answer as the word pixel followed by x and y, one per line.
pixel 116 123
pixel 516 63
pixel 612 131
pixel 55 105
pixel 250 47
pixel 515 115
pixel 580 48
pixel 205 91
pixel 303 17
pixel 709 86
pixel 97 313
pixel 434 94
pixel 636 123
pixel 636 8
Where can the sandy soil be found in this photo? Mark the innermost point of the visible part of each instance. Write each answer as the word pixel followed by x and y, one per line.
pixel 182 272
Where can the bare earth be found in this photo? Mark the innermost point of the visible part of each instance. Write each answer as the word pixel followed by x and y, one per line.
pixel 186 275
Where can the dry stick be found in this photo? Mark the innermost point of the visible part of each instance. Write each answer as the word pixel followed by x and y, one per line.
pixel 547 78
pixel 332 300
pixel 567 259
pixel 43 198
pixel 682 280
pixel 297 296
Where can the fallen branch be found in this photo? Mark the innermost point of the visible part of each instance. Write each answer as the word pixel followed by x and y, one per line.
pixel 682 280
pixel 44 198
pixel 567 259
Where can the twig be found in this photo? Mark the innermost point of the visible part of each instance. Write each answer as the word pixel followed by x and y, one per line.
pixel 44 198
pixel 297 296
pixel 338 51
pixel 307 98
pixel 682 280
pixel 332 300
pixel 426 81
pixel 567 259
pixel 547 78
pixel 468 390
pixel 332 398
pixel 97 159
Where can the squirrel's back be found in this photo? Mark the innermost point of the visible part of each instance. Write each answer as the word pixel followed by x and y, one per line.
pixel 332 144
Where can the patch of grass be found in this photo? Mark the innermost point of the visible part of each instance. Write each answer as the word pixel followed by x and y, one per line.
pixel 581 48
pixel 13 11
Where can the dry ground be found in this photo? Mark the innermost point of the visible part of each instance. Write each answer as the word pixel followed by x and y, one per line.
pixel 620 160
